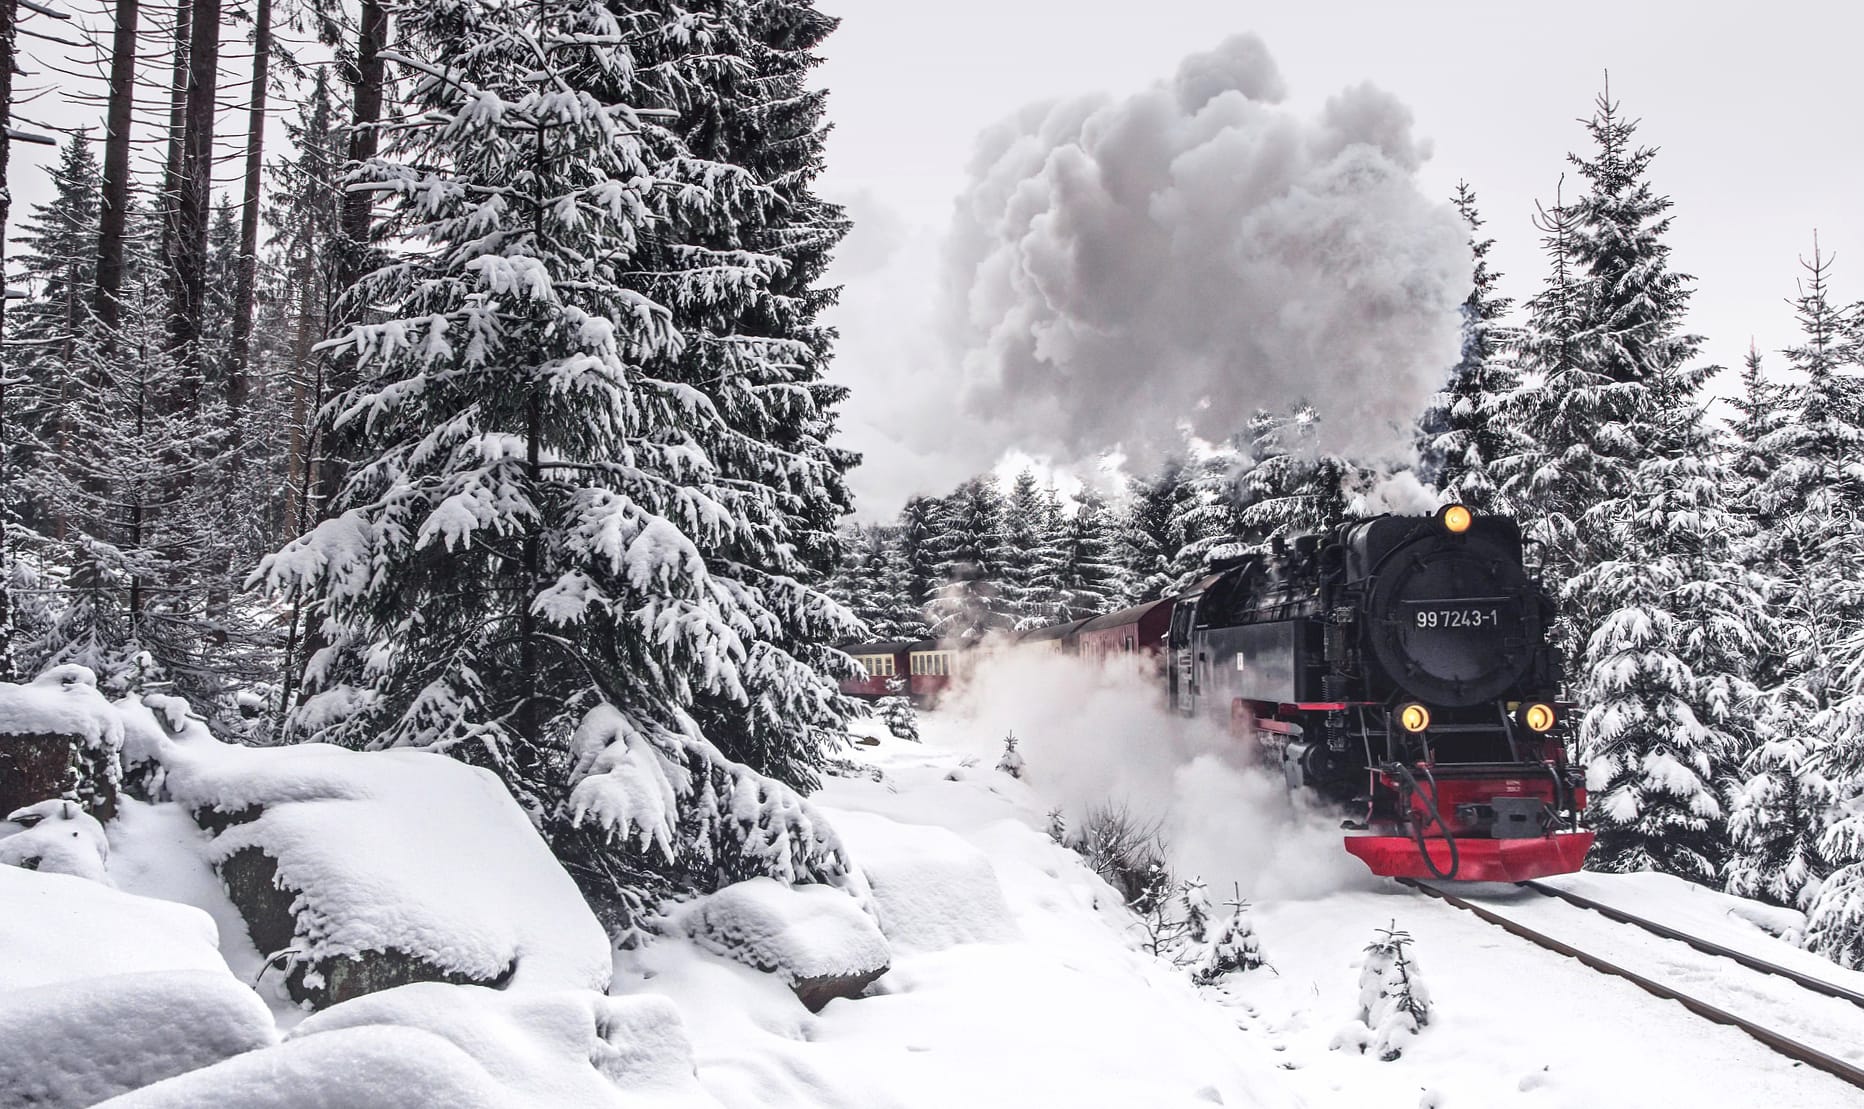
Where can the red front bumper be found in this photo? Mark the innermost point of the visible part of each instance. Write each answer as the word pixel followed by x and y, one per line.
pixel 1478 860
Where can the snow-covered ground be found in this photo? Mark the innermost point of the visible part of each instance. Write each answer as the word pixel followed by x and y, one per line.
pixel 1056 1005
pixel 1016 975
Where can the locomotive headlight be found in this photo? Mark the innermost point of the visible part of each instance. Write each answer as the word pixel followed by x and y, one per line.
pixel 1538 717
pixel 1456 518
pixel 1414 717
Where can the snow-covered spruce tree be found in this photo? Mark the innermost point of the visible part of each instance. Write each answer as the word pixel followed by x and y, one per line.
pixel 1194 905
pixel 1393 1003
pixel 513 573
pixel 858 582
pixel 898 715
pixel 918 538
pixel 1012 761
pixel 1815 494
pixel 1463 430
pixel 1638 539
pixel 740 274
pixel 56 263
pixel 971 552
pixel 1205 517
pixel 1556 474
pixel 1232 948
pixel 1087 577
pixel 1670 703
pixel 1027 577
pixel 1286 491
pixel 1146 536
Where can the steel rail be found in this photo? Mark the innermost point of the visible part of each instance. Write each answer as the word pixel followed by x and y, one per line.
pixel 1784 1045
pixel 1709 947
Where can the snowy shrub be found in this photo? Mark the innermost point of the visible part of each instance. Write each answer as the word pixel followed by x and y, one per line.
pixel 1127 852
pixel 1012 761
pixel 60 838
pixel 900 717
pixel 1393 1003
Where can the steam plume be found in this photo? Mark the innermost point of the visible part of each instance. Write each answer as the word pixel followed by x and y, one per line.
pixel 1120 269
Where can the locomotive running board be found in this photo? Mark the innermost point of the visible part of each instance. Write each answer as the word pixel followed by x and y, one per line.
pixel 1477 860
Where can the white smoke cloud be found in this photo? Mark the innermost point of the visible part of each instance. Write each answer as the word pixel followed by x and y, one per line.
pixel 1090 735
pixel 1119 270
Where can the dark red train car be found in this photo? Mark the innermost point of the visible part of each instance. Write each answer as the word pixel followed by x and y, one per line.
pixel 1054 637
pixel 932 666
pixel 884 665
pixel 1137 630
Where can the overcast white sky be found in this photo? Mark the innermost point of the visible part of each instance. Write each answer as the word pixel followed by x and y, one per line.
pixel 1754 107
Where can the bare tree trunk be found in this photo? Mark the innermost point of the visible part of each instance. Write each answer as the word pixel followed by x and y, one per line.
pixel 238 369
pixel 177 128
pixel 357 217
pixel 114 209
pixel 196 188
pixel 9 12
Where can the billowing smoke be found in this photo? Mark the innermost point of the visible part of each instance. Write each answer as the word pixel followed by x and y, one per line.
pixel 1121 270
pixel 1093 735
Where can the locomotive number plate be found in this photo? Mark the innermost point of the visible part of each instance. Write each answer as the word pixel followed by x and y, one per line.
pixel 1474 614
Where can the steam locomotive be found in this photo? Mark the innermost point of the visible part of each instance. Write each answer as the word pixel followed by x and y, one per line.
pixel 1401 666
pixel 1398 666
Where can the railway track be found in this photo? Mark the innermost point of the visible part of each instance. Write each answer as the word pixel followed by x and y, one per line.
pixel 1777 1041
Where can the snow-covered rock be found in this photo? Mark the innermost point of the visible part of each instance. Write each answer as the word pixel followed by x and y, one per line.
pixel 432 1045
pixel 76 1043
pixel 815 937
pixel 59 739
pixel 572 1047
pixel 356 1068
pixel 59 838
pixel 376 869
pixel 57 928
pixel 102 991
pixel 930 888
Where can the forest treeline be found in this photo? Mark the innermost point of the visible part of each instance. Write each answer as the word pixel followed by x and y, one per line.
pixel 487 416
pixel 1709 569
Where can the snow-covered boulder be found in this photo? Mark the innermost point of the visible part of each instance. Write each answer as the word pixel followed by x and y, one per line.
pixel 376 869
pixel 78 1042
pixel 102 991
pixel 443 1046
pixel 357 1068
pixel 930 888
pixel 58 928
pixel 59 739
pixel 815 937
pixel 59 838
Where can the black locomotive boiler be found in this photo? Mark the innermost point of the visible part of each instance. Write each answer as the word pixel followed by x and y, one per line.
pixel 1401 666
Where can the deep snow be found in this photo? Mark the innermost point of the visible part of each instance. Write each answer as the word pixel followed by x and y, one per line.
pixel 1016 978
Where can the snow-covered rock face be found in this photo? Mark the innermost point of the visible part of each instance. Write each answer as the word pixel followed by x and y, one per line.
pixel 378 868
pixel 816 938
pixel 102 992
pixel 59 739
